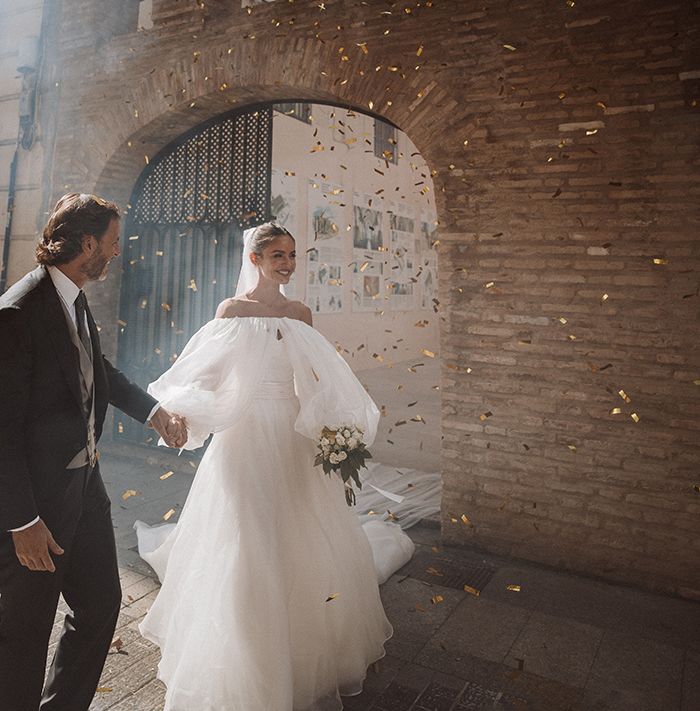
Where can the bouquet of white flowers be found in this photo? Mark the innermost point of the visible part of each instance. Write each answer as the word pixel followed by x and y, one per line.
pixel 342 450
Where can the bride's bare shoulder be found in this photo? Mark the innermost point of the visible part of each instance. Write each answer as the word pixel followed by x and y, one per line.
pixel 301 312
pixel 230 308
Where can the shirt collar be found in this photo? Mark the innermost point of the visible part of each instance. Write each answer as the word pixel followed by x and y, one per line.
pixel 66 288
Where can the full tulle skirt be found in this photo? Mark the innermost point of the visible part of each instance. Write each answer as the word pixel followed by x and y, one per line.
pixel 269 598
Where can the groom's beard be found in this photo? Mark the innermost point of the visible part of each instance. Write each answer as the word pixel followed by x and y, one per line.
pixel 96 268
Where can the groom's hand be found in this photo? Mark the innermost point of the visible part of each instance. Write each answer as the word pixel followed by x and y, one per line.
pixel 172 428
pixel 34 545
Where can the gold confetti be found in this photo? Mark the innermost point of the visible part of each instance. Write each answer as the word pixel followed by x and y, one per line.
pixel 562 320
pixel 513 588
pixel 696 382
pixel 166 475
pixel 419 51
pixel 485 416
pixel 509 47
pixel 572 447
pixel 472 591
pixel 192 285
pixel 165 307
pixel 129 493
pixel 168 514
pixel 660 260
pixel 454 519
pixel 696 488
pixel 146 159
pixel 434 571
pixel 332 596
pixel 616 411
pixel 635 416
pixel 465 520
pixel 624 396
pixel 604 297
pixel 591 131
pixel 120 427
pixel 571 337
pixel 104 689
pixel 428 353
pixel 437 599
pixel 489 284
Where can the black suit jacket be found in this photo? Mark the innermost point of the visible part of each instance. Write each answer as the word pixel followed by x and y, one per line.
pixel 42 423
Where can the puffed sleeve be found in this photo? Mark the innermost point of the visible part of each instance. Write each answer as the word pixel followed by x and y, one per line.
pixel 329 392
pixel 213 380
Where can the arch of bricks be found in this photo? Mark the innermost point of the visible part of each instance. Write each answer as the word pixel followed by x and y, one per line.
pixel 562 141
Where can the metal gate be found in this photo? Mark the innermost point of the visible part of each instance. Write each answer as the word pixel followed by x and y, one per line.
pixel 183 240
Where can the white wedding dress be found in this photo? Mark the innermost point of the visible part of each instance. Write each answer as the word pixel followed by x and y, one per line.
pixel 269 598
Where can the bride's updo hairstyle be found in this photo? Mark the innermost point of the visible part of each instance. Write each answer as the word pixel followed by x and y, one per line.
pixel 265 234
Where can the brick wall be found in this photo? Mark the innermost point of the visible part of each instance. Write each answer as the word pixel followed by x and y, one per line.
pixel 564 140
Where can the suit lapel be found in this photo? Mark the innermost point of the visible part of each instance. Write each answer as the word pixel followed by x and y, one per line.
pixel 57 328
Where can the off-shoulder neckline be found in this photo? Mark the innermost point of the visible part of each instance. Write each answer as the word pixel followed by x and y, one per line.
pixel 261 318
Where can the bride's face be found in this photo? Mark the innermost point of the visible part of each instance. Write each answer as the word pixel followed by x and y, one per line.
pixel 278 260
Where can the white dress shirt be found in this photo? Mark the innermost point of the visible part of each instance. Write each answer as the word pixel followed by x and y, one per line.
pixel 68 292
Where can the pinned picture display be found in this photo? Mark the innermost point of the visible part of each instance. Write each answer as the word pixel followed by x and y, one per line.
pixel 367 281
pixel 368 232
pixel 324 254
pixel 403 266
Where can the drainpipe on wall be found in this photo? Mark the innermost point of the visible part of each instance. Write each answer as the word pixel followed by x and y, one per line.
pixel 8 226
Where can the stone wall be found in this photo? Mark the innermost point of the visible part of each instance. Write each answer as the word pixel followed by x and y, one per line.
pixel 563 139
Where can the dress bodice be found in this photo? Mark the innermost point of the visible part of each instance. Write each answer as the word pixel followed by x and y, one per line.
pixel 278 380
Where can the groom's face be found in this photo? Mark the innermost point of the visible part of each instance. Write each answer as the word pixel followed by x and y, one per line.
pixel 102 252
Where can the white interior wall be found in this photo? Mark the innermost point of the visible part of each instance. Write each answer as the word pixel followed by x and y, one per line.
pixel 330 164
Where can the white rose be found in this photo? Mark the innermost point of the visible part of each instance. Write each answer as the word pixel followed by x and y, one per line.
pixel 341 455
pixel 346 433
pixel 352 443
pixel 334 458
pixel 325 441
pixel 339 439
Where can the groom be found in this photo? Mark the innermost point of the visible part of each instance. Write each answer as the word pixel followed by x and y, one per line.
pixel 56 532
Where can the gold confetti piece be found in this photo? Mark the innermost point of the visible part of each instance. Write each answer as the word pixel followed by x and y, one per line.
pixel 465 520
pixel 572 447
pixel 571 337
pixel 660 260
pixel 562 320
pixel 332 596
pixel 485 416
pixel 168 514
pixel 428 353
pixel 635 416
pixel 419 51
pixel 616 411
pixel 146 159
pixel 437 599
pixel 104 689
pixel 434 571
pixel 591 131
pixel 696 382
pixel 472 591
pixel 192 285
pixel 120 427
pixel 133 237
pixel 391 516
pixel 604 297
pixel 624 396
pixel 696 488
pixel 489 284
pixel 454 519
pixel 167 475
pixel 562 95
pixel 159 253
pixel 509 47
pixel 513 588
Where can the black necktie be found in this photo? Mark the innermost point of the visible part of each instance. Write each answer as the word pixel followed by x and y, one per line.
pixel 80 309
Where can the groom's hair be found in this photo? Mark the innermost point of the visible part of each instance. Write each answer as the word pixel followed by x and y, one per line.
pixel 74 216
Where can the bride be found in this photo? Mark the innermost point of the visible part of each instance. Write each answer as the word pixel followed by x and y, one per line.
pixel 269 598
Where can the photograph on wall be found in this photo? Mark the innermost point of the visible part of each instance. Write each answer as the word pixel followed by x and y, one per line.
pixel 428 281
pixel 367 224
pixel 403 258
pixel 324 256
pixel 367 282
pixel 284 200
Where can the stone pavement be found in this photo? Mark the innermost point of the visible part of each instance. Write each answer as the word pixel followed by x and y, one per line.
pixel 559 642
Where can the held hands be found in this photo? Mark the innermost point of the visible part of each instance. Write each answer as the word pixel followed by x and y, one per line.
pixel 34 545
pixel 172 428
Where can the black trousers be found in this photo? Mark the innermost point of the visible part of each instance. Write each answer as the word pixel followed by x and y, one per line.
pixel 78 516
